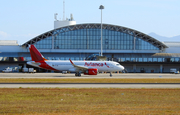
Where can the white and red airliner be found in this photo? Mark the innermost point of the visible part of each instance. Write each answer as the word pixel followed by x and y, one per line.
pixel 86 67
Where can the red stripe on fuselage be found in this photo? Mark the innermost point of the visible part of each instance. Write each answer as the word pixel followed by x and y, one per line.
pixel 44 65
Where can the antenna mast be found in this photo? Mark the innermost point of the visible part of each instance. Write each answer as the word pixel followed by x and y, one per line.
pixel 63 10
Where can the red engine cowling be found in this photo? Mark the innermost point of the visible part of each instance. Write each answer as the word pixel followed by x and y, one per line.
pixel 92 71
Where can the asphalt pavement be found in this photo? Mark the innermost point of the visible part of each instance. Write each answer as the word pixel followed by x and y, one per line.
pixel 71 75
pixel 90 85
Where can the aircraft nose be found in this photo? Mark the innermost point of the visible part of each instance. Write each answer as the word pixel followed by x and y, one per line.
pixel 122 68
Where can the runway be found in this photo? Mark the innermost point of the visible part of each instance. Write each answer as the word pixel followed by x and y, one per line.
pixel 89 85
pixel 71 75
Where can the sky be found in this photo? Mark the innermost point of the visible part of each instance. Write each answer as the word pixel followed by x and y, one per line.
pixel 23 20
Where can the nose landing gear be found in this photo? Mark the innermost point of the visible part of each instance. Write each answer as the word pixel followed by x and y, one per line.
pixel 110 74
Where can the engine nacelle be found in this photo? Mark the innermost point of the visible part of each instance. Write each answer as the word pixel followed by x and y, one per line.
pixel 92 71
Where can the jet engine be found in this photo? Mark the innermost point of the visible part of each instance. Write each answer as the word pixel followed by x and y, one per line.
pixel 92 71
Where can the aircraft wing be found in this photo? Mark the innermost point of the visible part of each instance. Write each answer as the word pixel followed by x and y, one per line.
pixel 78 67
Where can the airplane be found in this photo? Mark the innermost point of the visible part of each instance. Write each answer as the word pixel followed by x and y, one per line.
pixel 86 67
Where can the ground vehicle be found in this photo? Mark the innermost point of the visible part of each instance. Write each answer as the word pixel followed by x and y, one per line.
pixel 173 70
pixel 7 70
pixel 29 70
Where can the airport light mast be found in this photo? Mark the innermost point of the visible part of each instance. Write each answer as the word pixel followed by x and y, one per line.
pixel 101 7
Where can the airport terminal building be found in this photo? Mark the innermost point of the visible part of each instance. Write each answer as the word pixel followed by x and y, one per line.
pixel 136 51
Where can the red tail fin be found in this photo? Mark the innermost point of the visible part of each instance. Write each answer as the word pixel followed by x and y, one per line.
pixel 35 54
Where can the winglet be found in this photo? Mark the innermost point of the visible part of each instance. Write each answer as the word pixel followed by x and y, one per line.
pixel 71 62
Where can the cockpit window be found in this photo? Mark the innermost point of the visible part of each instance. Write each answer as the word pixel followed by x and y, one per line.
pixel 117 64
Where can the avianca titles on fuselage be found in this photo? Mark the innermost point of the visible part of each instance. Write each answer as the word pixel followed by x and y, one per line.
pixel 86 67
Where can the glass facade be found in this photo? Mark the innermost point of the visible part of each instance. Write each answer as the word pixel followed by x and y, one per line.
pixel 91 39
pixel 45 43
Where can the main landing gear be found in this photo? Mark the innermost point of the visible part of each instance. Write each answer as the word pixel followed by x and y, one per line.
pixel 78 74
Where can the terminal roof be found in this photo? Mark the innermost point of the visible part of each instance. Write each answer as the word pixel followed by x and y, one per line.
pixel 133 32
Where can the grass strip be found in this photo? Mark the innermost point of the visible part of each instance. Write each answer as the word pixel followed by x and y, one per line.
pixel 87 80
pixel 57 101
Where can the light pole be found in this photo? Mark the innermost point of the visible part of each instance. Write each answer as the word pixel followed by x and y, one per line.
pixel 101 7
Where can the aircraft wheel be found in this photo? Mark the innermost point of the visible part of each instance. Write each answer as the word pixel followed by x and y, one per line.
pixel 110 74
pixel 79 74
